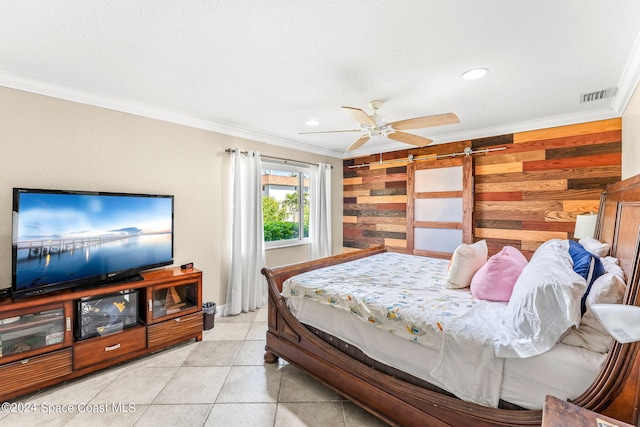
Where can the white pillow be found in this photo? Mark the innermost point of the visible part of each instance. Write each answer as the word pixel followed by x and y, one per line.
pixel 465 261
pixel 594 246
pixel 611 265
pixel 544 304
pixel 607 289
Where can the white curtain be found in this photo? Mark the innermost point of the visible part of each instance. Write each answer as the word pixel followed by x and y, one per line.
pixel 320 211
pixel 247 288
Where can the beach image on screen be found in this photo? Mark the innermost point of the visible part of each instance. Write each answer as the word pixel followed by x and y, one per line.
pixel 62 237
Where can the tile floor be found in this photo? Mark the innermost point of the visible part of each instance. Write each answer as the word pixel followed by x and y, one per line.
pixel 220 381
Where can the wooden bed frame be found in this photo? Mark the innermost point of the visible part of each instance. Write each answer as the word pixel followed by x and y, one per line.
pixel 615 392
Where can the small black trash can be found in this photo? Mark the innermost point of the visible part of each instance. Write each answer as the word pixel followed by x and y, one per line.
pixel 209 309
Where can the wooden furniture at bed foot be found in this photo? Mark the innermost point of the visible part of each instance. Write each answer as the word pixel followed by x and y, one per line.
pixel 560 413
pixel 42 338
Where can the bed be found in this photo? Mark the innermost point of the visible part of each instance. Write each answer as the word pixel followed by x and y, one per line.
pixel 319 340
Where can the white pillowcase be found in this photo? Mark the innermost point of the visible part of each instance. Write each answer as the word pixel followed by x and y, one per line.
pixel 465 261
pixel 611 266
pixel 544 304
pixel 607 289
pixel 595 247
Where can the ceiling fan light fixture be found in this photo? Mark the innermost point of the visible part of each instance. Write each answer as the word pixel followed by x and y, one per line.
pixel 475 74
pixel 381 121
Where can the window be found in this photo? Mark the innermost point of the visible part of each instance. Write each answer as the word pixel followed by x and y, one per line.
pixel 285 214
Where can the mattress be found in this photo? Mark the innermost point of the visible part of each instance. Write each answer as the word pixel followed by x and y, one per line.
pixel 564 371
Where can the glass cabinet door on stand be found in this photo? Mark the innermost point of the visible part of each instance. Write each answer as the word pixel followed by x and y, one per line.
pixel 26 332
pixel 172 301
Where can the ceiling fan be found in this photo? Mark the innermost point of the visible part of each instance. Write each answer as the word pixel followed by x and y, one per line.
pixel 378 125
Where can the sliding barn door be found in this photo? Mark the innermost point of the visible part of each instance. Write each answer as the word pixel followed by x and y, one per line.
pixel 439 206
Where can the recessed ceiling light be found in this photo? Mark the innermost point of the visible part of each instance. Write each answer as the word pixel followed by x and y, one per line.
pixel 312 122
pixel 474 74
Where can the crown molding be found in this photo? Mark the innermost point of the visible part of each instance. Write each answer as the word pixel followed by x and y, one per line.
pixel 629 79
pixel 38 86
pixel 54 90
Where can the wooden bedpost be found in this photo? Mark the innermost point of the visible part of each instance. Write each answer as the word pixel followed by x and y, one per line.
pixel 270 357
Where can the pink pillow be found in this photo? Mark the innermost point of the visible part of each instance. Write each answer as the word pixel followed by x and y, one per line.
pixel 494 281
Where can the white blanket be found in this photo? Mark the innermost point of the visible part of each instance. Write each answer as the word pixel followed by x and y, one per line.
pixel 406 295
pixel 467 364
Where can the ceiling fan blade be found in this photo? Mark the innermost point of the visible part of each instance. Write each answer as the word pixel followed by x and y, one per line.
pixel 408 138
pixel 426 121
pixel 359 143
pixel 360 116
pixel 330 131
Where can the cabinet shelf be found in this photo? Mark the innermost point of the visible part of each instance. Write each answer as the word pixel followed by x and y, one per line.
pixel 30 321
pixel 28 332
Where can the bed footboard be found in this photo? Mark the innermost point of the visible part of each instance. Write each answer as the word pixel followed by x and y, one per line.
pixel 276 277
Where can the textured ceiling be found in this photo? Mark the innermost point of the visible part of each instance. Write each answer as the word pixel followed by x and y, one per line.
pixel 260 69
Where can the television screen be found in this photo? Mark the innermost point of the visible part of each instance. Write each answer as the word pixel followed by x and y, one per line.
pixel 64 239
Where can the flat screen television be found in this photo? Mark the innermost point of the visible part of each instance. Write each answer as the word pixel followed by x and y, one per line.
pixel 71 239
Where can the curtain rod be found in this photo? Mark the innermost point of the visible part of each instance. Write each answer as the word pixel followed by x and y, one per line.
pixel 411 158
pixel 232 150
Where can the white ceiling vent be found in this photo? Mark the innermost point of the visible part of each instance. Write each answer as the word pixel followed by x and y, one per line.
pixel 599 94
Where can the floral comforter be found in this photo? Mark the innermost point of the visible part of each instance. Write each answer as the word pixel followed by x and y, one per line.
pixel 406 295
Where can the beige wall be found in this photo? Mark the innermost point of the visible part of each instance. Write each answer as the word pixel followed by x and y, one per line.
pixel 293 254
pixel 631 137
pixel 57 144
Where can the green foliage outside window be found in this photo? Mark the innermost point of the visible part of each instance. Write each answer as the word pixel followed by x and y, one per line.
pixel 274 215
pixel 271 210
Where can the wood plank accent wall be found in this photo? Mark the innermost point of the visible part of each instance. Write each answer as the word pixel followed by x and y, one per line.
pixel 523 195
pixel 375 202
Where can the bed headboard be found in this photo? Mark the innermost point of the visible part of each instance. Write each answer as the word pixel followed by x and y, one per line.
pixel 619 226
pixel 616 391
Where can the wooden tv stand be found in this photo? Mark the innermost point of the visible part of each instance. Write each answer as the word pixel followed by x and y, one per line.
pixel 37 344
